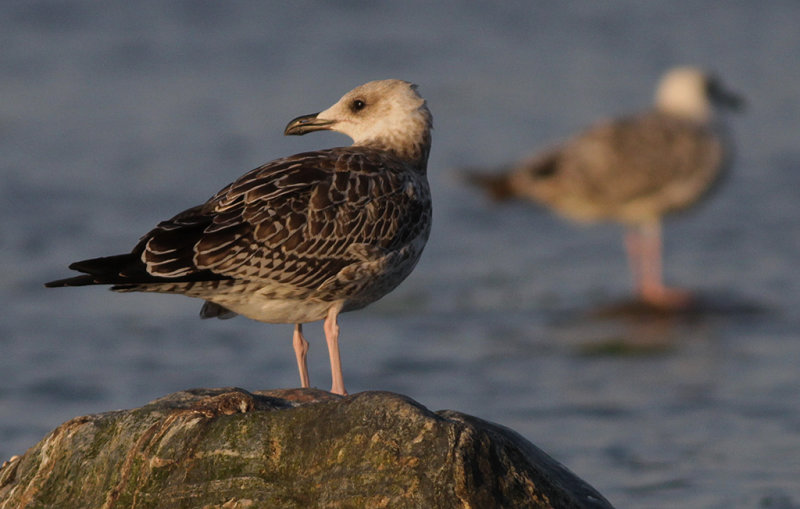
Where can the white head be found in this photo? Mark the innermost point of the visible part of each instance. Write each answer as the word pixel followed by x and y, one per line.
pixel 386 114
pixel 691 93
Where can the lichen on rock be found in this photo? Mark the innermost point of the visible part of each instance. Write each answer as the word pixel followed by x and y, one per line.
pixel 229 448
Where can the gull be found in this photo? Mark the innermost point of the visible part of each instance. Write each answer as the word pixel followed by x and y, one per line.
pixel 302 238
pixel 634 170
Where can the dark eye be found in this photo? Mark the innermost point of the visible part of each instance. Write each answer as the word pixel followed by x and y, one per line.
pixel 358 105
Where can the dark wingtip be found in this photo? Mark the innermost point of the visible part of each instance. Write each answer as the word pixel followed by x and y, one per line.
pixel 496 186
pixel 70 281
pixel 96 271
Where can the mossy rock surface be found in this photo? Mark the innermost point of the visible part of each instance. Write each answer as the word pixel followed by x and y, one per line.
pixel 229 448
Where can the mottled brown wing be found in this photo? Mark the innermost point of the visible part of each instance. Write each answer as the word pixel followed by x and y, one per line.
pixel 296 220
pixel 640 157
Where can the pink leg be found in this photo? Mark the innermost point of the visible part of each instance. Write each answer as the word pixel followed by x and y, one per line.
pixel 644 252
pixel 300 350
pixel 633 246
pixel 332 338
pixel 651 284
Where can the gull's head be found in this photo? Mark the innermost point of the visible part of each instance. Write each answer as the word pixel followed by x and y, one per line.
pixel 387 114
pixel 691 93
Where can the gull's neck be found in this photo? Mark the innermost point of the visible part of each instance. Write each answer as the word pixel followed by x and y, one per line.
pixel 410 142
pixel 414 152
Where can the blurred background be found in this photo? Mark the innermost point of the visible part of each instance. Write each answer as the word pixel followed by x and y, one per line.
pixel 114 116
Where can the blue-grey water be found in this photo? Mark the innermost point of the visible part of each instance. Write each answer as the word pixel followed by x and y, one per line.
pixel 115 115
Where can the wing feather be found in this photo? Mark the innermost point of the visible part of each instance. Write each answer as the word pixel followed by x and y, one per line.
pixel 293 221
pixel 631 168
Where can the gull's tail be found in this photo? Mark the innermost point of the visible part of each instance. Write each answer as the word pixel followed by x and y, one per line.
pixel 107 270
pixel 497 185
pixel 520 180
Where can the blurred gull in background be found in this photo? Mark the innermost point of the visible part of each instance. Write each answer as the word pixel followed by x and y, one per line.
pixel 633 170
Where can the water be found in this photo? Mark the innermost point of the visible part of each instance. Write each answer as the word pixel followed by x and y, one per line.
pixel 115 116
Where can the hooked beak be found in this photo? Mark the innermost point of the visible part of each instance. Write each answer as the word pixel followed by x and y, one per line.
pixel 724 97
pixel 306 124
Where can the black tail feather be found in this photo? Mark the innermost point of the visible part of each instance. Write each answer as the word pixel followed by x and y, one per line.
pixel 174 238
pixel 496 185
pixel 100 271
pixel 126 272
pixel 106 265
pixel 72 281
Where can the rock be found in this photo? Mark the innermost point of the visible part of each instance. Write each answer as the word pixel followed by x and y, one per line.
pixel 229 448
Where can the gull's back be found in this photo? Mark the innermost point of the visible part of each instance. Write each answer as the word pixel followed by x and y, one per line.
pixel 631 170
pixel 637 168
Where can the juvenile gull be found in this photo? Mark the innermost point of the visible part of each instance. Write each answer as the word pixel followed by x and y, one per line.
pixel 633 170
pixel 305 237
